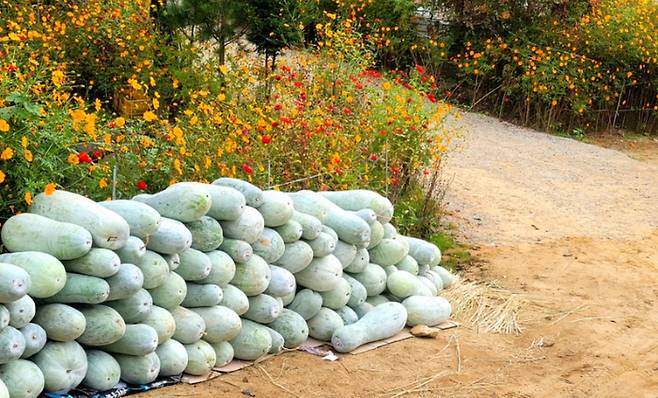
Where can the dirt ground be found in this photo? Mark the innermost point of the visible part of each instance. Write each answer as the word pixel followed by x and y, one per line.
pixel 568 228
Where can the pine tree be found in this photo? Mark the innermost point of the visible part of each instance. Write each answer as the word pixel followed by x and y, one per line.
pixel 221 21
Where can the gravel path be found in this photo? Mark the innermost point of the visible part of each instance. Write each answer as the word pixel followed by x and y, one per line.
pixel 513 185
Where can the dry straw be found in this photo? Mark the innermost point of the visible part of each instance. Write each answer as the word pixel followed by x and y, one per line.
pixel 486 307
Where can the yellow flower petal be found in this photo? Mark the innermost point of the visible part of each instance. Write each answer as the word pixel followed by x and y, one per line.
pixel 50 189
pixel 28 198
pixel 7 154
pixel 149 116
pixel 4 126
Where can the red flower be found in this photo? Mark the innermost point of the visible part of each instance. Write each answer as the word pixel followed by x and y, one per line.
pixel 407 86
pixel 278 107
pixel 431 97
pixel 97 155
pixel 12 68
pixel 83 157
pixel 298 84
pixel 448 93
pixel 420 69
pixel 347 110
pixel 247 169
pixel 374 157
pixel 266 139
pixel 141 185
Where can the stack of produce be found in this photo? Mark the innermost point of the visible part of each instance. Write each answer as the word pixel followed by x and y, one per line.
pixel 185 280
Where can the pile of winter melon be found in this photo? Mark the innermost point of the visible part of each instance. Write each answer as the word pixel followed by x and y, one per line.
pixel 185 280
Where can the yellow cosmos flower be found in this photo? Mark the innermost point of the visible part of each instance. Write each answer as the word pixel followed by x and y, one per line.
pixel 73 159
pixel 50 189
pixel 7 154
pixel 4 126
pixel 28 198
pixel 150 116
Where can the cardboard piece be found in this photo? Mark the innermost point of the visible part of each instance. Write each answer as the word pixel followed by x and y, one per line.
pixel 313 347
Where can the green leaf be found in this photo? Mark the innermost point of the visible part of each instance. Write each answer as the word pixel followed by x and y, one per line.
pixel 34 109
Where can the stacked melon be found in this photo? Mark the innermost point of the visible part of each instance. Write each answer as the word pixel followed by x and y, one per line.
pixel 186 279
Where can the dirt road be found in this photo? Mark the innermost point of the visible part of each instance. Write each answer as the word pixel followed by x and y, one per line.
pixel 570 229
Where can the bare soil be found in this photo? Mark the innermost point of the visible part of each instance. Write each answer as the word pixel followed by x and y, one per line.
pixel 569 227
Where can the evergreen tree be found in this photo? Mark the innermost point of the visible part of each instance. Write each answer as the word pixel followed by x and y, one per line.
pixel 221 21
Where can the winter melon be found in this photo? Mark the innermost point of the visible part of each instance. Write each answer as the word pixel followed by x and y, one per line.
pixel 21 311
pixel 222 271
pixel 263 309
pixel 423 310
pixel 323 274
pixel 252 194
pixel 290 232
pixel 60 321
pixel 206 295
pixel 171 293
pixel 108 229
pixel 170 237
pixel 128 281
pixel 132 252
pixel 337 297
pixel 138 339
pixel 190 326
pixel 173 358
pixel 32 232
pixel 311 226
pixel 103 325
pixel 223 353
pixel 35 339
pixel 207 234
pixel 154 268
pixel 222 323
pixel 15 283
pixel 101 263
pixel 138 369
pixel 323 325
pixel 103 371
pixel 162 322
pixel 247 227
pixel 282 282
pixel 21 379
pixel 182 203
pixel 360 262
pixel 252 277
pixel 269 246
pixel 292 327
pixel 235 299
pixel 142 219
pixel 296 256
pixel 373 278
pixel 253 341
pixel 276 208
pixel 194 265
pixel 135 308
pixel 239 250
pixel 226 203
pixel 306 303
pixel 81 289
pixel 12 344
pixel 63 364
pixel 201 358
pixel 383 321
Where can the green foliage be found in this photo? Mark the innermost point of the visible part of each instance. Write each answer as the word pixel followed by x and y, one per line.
pixel 221 21
pixel 274 25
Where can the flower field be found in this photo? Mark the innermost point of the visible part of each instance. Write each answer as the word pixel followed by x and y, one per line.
pixel 96 98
